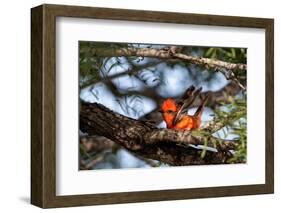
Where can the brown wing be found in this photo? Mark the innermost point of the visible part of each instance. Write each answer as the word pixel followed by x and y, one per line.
pixel 186 103
pixel 187 94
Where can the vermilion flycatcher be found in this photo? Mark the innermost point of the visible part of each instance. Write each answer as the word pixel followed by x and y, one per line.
pixel 175 113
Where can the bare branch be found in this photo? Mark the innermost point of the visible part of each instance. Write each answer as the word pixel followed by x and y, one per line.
pixel 166 54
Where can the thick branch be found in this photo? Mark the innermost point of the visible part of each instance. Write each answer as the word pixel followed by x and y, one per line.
pixel 189 138
pixel 96 143
pixel 142 138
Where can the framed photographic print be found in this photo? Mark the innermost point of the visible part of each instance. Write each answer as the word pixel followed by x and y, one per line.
pixel 135 106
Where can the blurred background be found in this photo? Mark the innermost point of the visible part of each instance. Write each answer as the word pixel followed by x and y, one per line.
pixel 136 87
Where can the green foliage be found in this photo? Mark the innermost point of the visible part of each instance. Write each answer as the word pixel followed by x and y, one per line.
pixel 234 55
pixel 203 153
pixel 240 154
pixel 88 66
pixel 234 117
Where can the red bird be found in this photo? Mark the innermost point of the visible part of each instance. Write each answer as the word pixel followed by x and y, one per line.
pixel 175 114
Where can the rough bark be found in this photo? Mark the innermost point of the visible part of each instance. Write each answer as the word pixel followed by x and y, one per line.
pixel 143 138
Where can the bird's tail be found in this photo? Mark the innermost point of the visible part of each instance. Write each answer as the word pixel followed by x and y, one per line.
pixel 200 109
pixel 190 95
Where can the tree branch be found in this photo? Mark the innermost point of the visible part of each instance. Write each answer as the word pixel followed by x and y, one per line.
pixel 142 138
pixel 189 138
pixel 166 54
